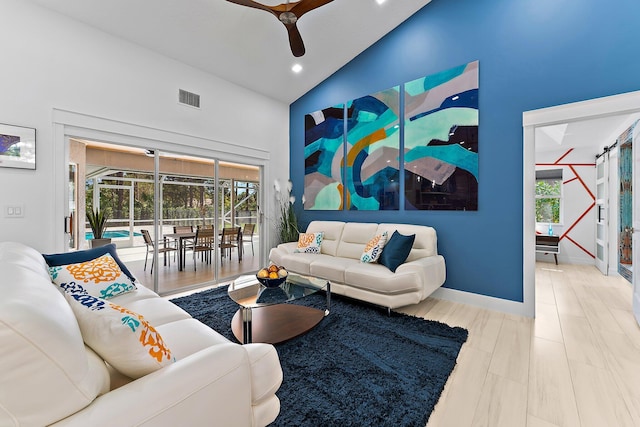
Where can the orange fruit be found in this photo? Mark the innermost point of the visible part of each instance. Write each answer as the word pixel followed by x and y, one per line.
pixel 273 268
pixel 273 275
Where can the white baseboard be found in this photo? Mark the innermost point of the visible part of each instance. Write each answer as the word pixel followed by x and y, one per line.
pixel 483 301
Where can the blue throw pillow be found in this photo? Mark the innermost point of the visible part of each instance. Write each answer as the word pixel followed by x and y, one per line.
pixel 65 258
pixel 396 250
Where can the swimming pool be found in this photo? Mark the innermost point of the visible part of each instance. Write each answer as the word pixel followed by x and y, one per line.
pixel 111 234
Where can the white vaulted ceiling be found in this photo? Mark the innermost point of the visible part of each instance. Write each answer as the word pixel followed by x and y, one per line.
pixel 246 46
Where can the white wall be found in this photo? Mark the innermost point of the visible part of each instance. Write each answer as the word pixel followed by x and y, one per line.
pixel 51 62
pixel 576 200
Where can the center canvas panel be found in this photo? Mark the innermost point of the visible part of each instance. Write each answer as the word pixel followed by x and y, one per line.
pixel 373 146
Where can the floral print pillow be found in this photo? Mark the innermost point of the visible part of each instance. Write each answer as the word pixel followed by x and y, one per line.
pixel 374 247
pixel 100 277
pixel 309 243
pixel 123 338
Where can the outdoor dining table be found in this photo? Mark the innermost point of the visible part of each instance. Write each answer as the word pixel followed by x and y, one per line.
pixel 181 237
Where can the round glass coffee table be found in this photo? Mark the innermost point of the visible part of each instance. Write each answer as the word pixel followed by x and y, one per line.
pixel 264 316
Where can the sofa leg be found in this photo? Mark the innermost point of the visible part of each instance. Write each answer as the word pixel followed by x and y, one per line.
pixel 389 311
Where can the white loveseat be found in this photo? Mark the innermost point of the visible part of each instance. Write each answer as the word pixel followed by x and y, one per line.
pixel 48 376
pixel 339 262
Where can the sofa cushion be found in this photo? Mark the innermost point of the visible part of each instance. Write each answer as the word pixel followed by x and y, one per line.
pixel 373 248
pixel 396 250
pixel 331 268
pixel 122 337
pixel 45 373
pixel 100 277
pixel 156 311
pixel 189 336
pixel 299 263
pixel 355 237
pixel 65 258
pixel 379 279
pixel 332 233
pixel 309 243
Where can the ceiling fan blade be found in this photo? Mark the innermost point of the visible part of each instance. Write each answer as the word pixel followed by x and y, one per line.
pixel 288 13
pixel 253 4
pixel 295 40
pixel 304 6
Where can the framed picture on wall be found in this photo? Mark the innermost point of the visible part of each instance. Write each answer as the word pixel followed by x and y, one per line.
pixel 17 147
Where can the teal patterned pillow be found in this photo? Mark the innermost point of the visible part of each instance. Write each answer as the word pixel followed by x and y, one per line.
pixel 100 277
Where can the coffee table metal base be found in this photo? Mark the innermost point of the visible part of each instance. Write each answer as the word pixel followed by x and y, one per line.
pixel 275 323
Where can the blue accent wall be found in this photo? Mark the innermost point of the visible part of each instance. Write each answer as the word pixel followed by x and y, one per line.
pixel 533 54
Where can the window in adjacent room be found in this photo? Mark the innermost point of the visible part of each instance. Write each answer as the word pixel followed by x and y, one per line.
pixel 548 196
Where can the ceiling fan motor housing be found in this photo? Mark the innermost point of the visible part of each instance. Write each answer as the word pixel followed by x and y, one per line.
pixel 288 18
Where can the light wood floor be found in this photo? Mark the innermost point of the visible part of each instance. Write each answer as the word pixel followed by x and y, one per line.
pixel 576 364
pixel 171 280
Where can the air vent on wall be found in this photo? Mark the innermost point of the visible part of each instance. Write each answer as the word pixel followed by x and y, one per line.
pixel 188 98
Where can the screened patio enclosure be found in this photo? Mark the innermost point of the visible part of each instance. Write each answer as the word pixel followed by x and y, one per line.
pixel 127 197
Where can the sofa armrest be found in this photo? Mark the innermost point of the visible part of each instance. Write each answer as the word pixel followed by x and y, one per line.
pixel 283 249
pixel 431 270
pixel 212 386
pixel 287 248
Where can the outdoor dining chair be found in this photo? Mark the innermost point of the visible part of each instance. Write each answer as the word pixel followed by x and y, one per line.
pixel 230 238
pixel 204 243
pixel 151 248
pixel 186 243
pixel 247 235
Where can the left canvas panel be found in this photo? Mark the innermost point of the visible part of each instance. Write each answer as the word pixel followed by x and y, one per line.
pixel 324 159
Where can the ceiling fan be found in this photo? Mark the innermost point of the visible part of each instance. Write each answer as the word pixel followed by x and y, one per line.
pixel 288 14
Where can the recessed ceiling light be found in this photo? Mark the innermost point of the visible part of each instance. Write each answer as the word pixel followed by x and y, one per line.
pixel 380 1
pixel 296 68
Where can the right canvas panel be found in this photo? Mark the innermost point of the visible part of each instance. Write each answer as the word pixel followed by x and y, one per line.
pixel 441 140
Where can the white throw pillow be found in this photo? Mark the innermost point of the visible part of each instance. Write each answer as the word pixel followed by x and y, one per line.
pixel 100 277
pixel 374 247
pixel 121 337
pixel 309 243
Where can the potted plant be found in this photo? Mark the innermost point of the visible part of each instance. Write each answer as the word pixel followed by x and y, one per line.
pixel 98 223
pixel 287 225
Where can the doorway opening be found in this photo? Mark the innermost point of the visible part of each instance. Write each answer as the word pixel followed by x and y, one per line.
pixel 626 107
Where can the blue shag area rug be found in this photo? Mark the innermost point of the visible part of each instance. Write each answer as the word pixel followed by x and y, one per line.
pixel 358 367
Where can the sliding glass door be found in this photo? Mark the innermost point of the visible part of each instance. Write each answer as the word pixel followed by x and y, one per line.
pixel 167 213
pixel 186 221
pixel 238 207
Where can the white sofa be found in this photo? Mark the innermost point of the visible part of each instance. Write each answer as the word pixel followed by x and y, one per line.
pixel 49 377
pixel 339 262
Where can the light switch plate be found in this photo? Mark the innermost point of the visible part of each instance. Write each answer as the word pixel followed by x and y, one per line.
pixel 14 211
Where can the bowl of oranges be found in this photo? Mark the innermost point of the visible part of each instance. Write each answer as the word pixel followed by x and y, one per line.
pixel 272 276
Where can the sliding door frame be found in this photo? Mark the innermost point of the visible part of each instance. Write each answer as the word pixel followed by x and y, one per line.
pixel 69 125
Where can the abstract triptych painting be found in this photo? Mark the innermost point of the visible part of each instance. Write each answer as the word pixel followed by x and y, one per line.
pixel 353 152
